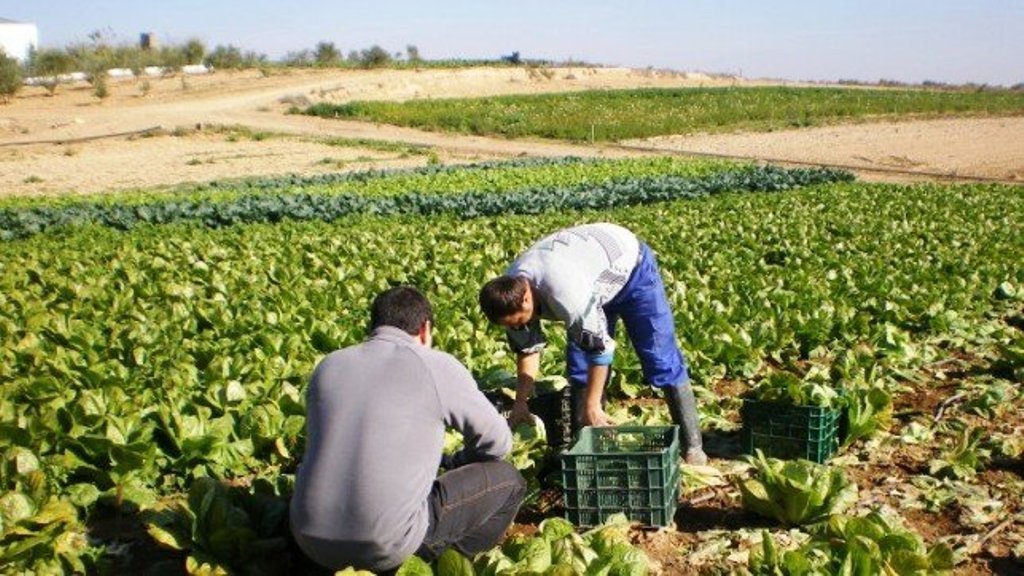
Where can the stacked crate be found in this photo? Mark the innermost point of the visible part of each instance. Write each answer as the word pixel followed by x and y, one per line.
pixel 632 470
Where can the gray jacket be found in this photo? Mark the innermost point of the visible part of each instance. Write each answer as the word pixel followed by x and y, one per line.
pixel 375 422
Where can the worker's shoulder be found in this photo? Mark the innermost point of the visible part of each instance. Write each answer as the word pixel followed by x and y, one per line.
pixel 345 353
pixel 439 358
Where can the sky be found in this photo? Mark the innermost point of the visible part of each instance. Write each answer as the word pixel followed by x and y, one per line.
pixel 953 41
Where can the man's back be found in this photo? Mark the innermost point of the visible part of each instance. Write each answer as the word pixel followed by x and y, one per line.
pixel 576 271
pixel 376 414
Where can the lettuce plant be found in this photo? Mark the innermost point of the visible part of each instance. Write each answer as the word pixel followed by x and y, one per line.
pixel 876 544
pixel 557 549
pixel 963 459
pixel 224 530
pixel 868 410
pixel 40 533
pixel 869 544
pixel 796 492
pixel 788 388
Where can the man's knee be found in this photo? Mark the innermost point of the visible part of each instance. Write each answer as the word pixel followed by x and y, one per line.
pixel 509 476
pixel 512 473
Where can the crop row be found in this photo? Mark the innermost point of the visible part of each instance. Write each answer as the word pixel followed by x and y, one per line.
pixel 135 364
pixel 274 207
pixel 208 329
pixel 612 115
pixel 433 179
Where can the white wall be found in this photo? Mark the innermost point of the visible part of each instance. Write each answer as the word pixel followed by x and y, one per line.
pixel 17 38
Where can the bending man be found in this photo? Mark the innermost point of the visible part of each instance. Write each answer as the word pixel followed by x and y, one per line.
pixel 587 277
pixel 366 494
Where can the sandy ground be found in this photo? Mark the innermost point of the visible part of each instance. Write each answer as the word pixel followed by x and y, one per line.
pixel 982 148
pixel 161 132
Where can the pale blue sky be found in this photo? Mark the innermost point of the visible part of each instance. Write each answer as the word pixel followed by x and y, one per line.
pixel 908 40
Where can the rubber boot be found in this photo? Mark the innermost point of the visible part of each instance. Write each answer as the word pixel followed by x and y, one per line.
pixel 683 408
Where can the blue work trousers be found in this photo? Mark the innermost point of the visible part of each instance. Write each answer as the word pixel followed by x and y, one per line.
pixel 643 307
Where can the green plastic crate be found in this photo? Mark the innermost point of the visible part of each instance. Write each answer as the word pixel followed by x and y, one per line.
pixel 786 431
pixel 553 408
pixel 633 470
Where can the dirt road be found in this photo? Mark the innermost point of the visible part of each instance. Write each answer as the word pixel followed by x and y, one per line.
pixel 145 133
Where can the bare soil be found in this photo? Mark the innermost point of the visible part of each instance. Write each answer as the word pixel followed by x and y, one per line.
pixel 942 149
pixel 166 131
pixel 710 532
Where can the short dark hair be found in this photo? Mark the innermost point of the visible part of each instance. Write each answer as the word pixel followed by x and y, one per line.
pixel 403 307
pixel 503 296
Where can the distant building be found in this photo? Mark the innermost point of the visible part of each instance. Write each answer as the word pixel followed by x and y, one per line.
pixel 147 41
pixel 18 39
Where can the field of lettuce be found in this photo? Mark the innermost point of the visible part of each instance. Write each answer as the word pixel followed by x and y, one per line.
pixel 155 352
pixel 613 115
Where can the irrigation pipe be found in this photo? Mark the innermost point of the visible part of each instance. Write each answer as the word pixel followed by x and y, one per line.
pixel 142 132
pixel 976 547
pixel 947 402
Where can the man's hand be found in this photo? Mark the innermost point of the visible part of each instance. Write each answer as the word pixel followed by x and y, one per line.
pixel 595 416
pixel 527 366
pixel 520 414
pixel 593 413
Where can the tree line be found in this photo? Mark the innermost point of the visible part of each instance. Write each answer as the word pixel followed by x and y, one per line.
pixel 95 57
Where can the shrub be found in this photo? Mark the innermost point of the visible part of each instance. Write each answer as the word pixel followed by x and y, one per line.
pixel 225 57
pixel 327 54
pixel 10 76
pixel 99 85
pixel 193 51
pixel 50 62
pixel 301 58
pixel 374 57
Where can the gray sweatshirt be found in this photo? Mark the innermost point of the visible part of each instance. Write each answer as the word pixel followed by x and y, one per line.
pixel 375 422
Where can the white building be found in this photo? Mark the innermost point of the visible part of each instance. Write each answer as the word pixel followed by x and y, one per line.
pixel 17 39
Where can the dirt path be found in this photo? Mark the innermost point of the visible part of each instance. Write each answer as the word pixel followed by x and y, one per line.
pixel 63 143
pixel 982 148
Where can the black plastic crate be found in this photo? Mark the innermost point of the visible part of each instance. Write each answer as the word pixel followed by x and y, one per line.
pixel 632 470
pixel 553 408
pixel 786 431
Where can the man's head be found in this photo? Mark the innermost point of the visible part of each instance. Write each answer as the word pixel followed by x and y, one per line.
pixel 405 308
pixel 507 300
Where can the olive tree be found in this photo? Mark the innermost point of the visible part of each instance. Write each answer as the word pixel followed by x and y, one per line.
pixel 10 76
pixel 193 51
pixel 327 54
pixel 374 57
pixel 49 64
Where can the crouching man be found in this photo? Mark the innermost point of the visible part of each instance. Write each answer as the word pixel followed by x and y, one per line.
pixel 366 493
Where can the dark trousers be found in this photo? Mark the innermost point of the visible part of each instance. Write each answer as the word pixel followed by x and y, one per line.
pixel 471 507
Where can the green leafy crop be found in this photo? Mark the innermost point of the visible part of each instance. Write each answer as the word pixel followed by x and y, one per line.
pixel 274 207
pixel 223 530
pixel 790 389
pixel 963 459
pixel 869 544
pixel 796 492
pixel 134 363
pixel 40 532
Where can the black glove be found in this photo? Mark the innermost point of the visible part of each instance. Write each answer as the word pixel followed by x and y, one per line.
pixel 456 460
pixel 447 462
